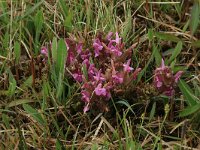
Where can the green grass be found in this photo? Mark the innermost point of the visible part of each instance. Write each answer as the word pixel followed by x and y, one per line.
pixel 40 106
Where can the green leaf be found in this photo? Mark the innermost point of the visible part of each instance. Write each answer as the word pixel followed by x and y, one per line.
pixel 60 66
pixel 19 102
pixel 12 84
pixel 38 21
pixel 188 94
pixel 32 9
pixel 54 49
pixel 27 83
pixel 194 20
pixel 150 34
pixel 63 7
pixel 167 37
pixel 6 120
pixel 176 51
pixel 190 110
pixel 61 57
pixel 157 56
pixel 68 22
pixel 196 43
pixel 127 26
pixel 34 113
pixel 58 145
pixel 85 72
pixel 153 110
pixel 17 51
pixel 124 102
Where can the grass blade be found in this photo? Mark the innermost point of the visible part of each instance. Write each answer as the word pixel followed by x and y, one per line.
pixel 187 92
pixel 194 21
pixel 189 110
pixel 176 51
pixel 167 37
pixel 34 113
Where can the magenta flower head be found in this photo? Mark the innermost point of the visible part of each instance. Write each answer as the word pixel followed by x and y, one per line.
pixel 165 81
pixel 127 67
pixel 44 51
pixel 100 91
pixel 97 47
pixel 78 76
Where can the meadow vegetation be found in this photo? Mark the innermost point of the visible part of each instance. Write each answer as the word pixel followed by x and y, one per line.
pixel 99 74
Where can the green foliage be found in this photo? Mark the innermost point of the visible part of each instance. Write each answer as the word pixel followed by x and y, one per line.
pixel 195 14
pixel 34 113
pixel 176 52
pixel 12 84
pixel 193 102
pixel 188 93
pixel 167 37
pixel 38 23
pixel 17 51
pixel 28 12
pixel 49 115
pixel 196 43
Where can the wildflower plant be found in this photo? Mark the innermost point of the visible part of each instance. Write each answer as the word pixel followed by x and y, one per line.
pixel 164 79
pixel 102 67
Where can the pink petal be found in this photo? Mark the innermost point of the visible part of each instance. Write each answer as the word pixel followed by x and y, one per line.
pixel 99 90
pixel 162 64
pixel 44 51
pixel 109 36
pixel 117 40
pixel 126 66
pixel 158 84
pixel 97 47
pixel 85 96
pixel 79 48
pixel 77 77
pixel 98 77
pixel 178 75
pixel 86 108
pixel 117 79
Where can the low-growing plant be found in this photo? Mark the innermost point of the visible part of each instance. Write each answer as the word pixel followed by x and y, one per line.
pixel 102 68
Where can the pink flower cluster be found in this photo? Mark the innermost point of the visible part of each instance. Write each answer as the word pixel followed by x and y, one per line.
pixel 106 67
pixel 165 81
pixel 101 67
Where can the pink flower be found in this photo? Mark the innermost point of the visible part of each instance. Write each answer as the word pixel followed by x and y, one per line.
pixel 114 49
pixel 77 76
pixel 116 52
pixel 164 80
pixel 85 96
pixel 100 91
pixel 97 47
pixel 44 51
pixel 79 48
pixel 86 54
pixel 109 36
pixel 127 67
pixel 86 108
pixel 70 57
pixel 117 40
pixel 117 79
pixel 86 62
pixel 98 77
pixel 91 71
